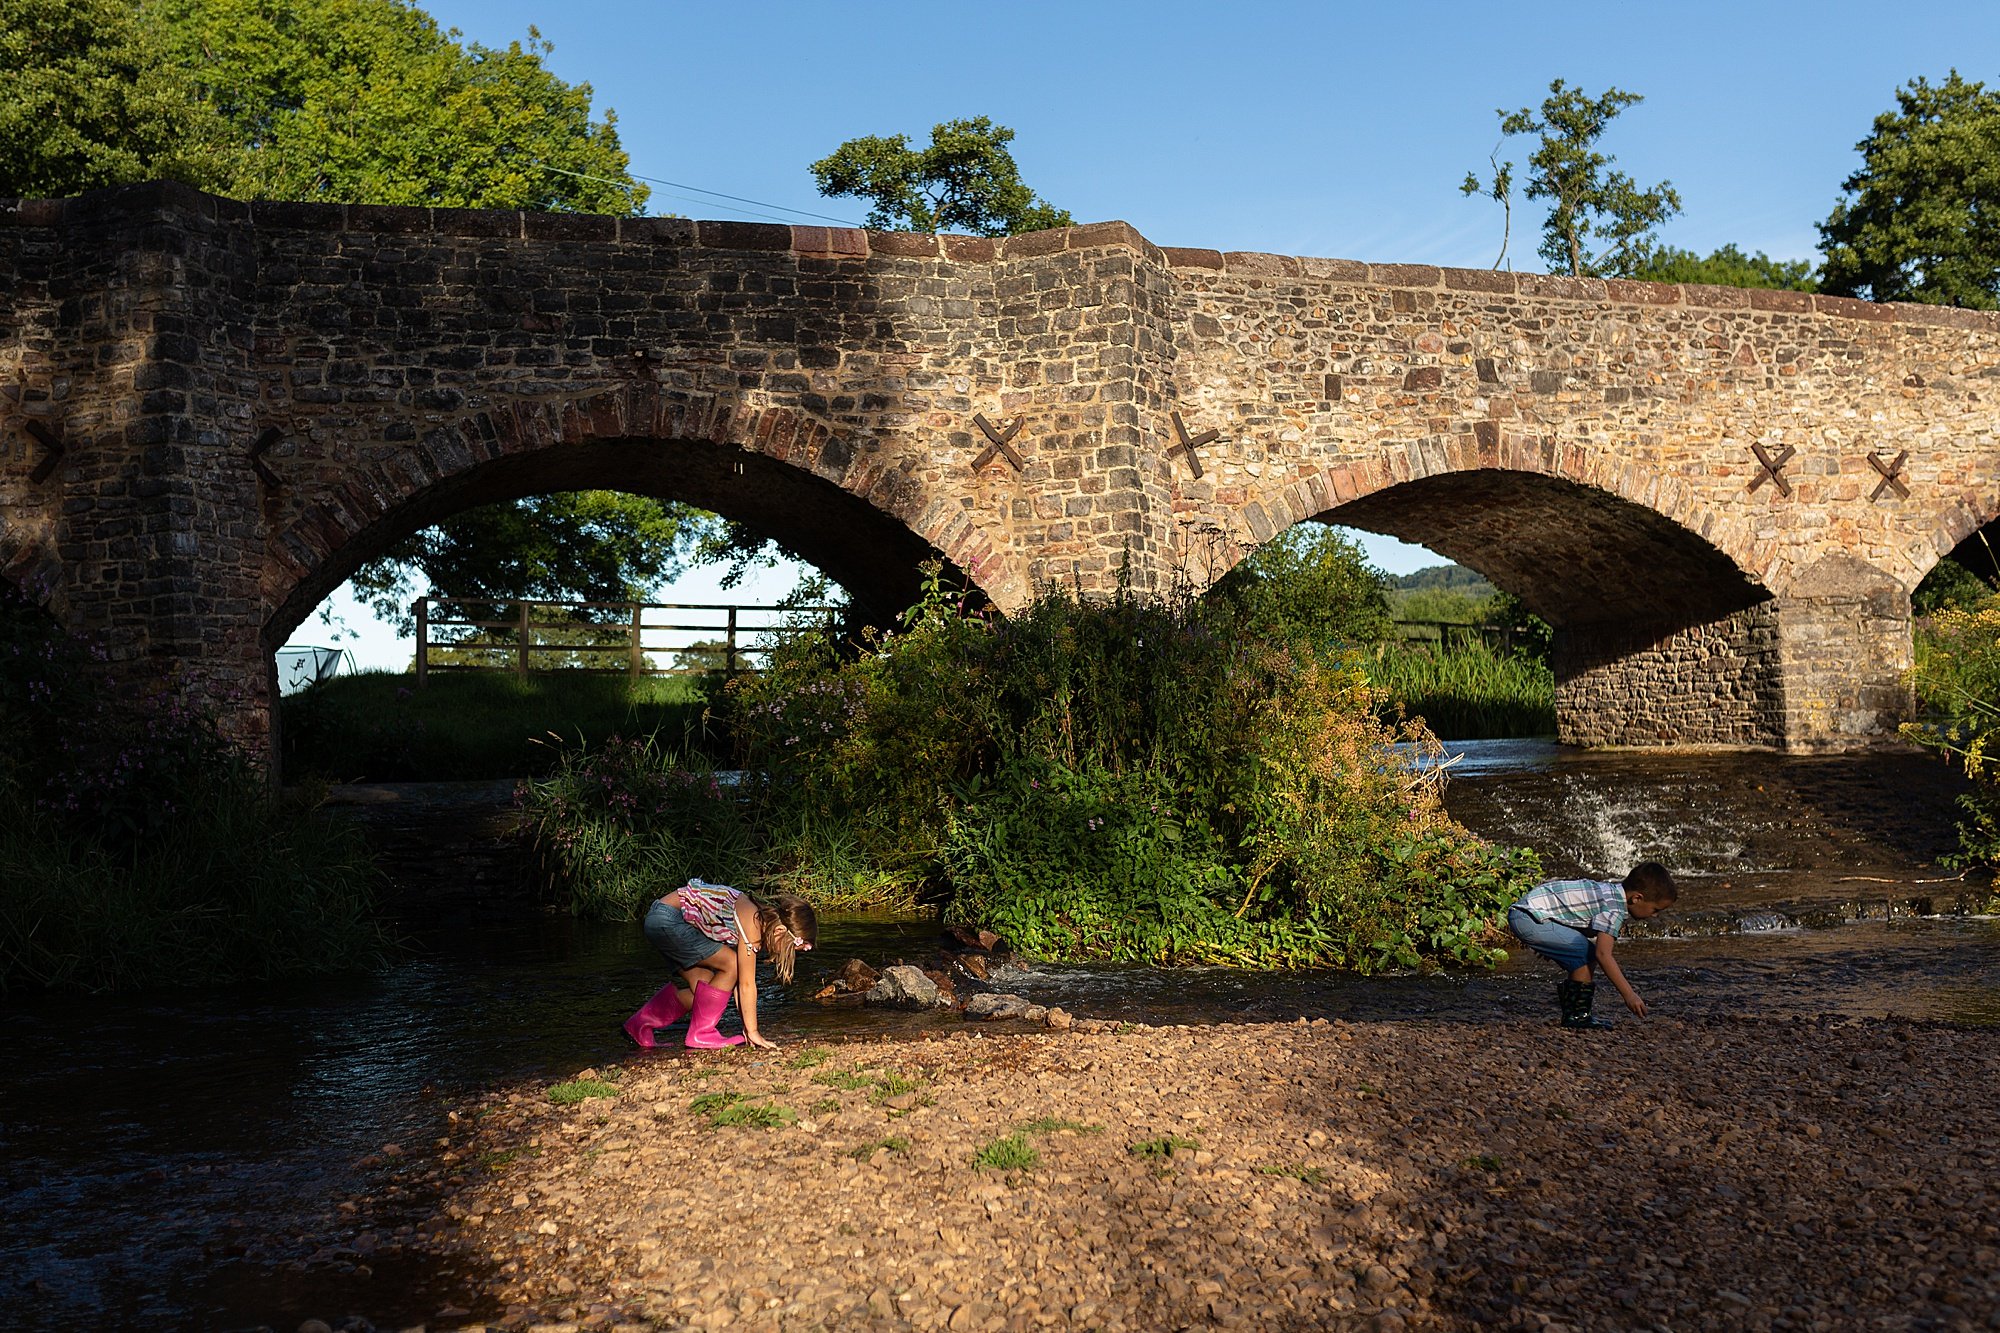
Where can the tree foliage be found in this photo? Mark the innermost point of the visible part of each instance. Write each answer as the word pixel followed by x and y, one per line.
pixel 966 181
pixel 1309 582
pixel 1588 202
pixel 1726 267
pixel 1921 217
pixel 87 100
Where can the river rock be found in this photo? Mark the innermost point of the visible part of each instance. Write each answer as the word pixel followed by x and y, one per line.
pixel 906 987
pixel 1059 1019
pixel 995 1005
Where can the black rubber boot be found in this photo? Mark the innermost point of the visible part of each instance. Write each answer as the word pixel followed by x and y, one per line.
pixel 1575 998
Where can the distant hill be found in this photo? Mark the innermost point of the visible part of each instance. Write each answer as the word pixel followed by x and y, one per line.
pixel 1443 578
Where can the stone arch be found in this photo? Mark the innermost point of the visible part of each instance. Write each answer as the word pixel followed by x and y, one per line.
pixel 1381 484
pixel 1662 636
pixel 868 524
pixel 1969 527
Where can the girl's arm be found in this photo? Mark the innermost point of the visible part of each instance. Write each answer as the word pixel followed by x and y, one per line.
pixel 1607 963
pixel 746 986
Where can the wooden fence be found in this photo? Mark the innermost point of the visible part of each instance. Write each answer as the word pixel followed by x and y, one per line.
pixel 1461 634
pixel 529 637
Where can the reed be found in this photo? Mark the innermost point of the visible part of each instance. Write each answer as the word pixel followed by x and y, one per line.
pixel 1467 693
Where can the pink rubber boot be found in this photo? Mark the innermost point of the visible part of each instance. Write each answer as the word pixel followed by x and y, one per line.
pixel 660 1011
pixel 708 1006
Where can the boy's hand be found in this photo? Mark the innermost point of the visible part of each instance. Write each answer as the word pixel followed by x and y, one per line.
pixel 764 1043
pixel 1635 1004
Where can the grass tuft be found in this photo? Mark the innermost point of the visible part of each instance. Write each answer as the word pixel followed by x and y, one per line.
pixel 1161 1148
pixel 1012 1153
pixel 581 1090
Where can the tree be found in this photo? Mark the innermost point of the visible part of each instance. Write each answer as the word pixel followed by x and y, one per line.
pixel 369 101
pixel 1586 200
pixel 1726 267
pixel 1310 581
pixel 965 181
pixel 88 99
pixel 1921 220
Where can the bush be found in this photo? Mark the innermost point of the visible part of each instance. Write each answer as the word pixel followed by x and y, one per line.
pixel 615 826
pixel 142 850
pixel 1957 678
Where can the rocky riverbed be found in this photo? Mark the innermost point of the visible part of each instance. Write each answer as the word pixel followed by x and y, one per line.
pixel 1673 1174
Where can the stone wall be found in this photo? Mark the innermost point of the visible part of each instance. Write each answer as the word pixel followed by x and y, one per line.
pixel 1713 684
pixel 253 400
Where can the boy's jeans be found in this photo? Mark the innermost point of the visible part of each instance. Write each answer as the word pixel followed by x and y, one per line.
pixel 1565 946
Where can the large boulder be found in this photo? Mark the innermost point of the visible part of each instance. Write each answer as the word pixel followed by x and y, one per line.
pixel 906 987
pixel 995 1005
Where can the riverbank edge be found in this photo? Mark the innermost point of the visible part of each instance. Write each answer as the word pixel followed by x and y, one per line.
pixel 1322 1174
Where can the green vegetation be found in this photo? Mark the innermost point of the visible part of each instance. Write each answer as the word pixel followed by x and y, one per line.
pixel 1468 691
pixel 1056 1124
pixel 1919 221
pixel 1725 267
pixel 141 849
pixel 1957 678
pixel 378 726
pixel 847 1080
pixel 572 1091
pixel 1011 1153
pixel 966 181
pixel 1587 203
pixel 1164 1146
pixel 1134 781
pixel 725 1109
pixel 809 1058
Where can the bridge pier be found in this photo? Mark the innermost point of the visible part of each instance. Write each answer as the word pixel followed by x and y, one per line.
pixel 1823 667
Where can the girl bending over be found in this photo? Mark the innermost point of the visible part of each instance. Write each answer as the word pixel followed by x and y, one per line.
pixel 715 936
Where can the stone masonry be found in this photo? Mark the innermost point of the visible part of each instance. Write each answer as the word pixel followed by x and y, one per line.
pixel 212 413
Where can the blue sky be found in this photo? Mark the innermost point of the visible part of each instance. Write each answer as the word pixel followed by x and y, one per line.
pixel 1320 129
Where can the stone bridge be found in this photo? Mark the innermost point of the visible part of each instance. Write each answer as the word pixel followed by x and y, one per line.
pixel 211 413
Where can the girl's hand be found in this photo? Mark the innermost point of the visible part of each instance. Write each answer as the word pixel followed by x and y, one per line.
pixel 1635 1004
pixel 764 1042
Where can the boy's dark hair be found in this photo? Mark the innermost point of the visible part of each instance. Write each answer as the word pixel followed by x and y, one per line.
pixel 1650 880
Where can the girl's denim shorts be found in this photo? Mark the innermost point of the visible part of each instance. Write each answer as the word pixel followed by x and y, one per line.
pixel 1564 945
pixel 674 936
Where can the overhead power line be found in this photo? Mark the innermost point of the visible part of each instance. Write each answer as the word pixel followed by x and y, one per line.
pixel 717 194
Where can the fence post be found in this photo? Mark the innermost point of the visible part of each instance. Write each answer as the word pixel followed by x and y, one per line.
pixel 521 653
pixel 421 609
pixel 638 658
pixel 729 650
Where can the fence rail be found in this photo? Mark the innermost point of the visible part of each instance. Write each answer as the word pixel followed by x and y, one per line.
pixel 529 637
pixel 1461 633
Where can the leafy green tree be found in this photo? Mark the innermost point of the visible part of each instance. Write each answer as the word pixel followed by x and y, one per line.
pixel 966 181
pixel 369 101
pixel 586 545
pixel 1310 581
pixel 88 99
pixel 1921 220
pixel 1588 202
pixel 1726 267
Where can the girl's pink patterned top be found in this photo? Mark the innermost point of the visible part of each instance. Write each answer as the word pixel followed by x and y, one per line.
pixel 711 909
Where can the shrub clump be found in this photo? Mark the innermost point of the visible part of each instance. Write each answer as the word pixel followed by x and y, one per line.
pixel 1957 678
pixel 142 849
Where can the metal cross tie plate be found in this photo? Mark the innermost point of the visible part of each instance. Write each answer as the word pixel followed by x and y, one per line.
pixel 1189 443
pixel 270 437
pixel 1892 476
pixel 999 441
pixel 52 442
pixel 1773 469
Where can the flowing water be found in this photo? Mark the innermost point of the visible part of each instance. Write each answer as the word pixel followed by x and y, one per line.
pixel 168 1162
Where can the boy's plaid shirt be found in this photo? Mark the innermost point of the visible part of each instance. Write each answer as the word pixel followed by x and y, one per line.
pixel 1588 904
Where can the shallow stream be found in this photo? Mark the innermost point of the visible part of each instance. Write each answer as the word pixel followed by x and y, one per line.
pixel 166 1163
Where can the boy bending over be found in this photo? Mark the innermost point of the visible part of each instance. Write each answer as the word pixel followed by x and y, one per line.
pixel 1574 923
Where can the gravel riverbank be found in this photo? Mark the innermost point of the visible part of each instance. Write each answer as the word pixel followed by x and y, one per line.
pixel 1674 1174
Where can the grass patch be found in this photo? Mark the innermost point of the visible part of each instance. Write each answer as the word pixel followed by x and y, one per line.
pixel 1012 1153
pixel 581 1090
pixel 724 1109
pixel 377 725
pixel 892 1084
pixel 500 1158
pixel 1470 692
pixel 1311 1175
pixel 1164 1146
pixel 826 1106
pixel 847 1080
pixel 1483 1162
pixel 894 1143
pixel 810 1058
pixel 1049 1124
